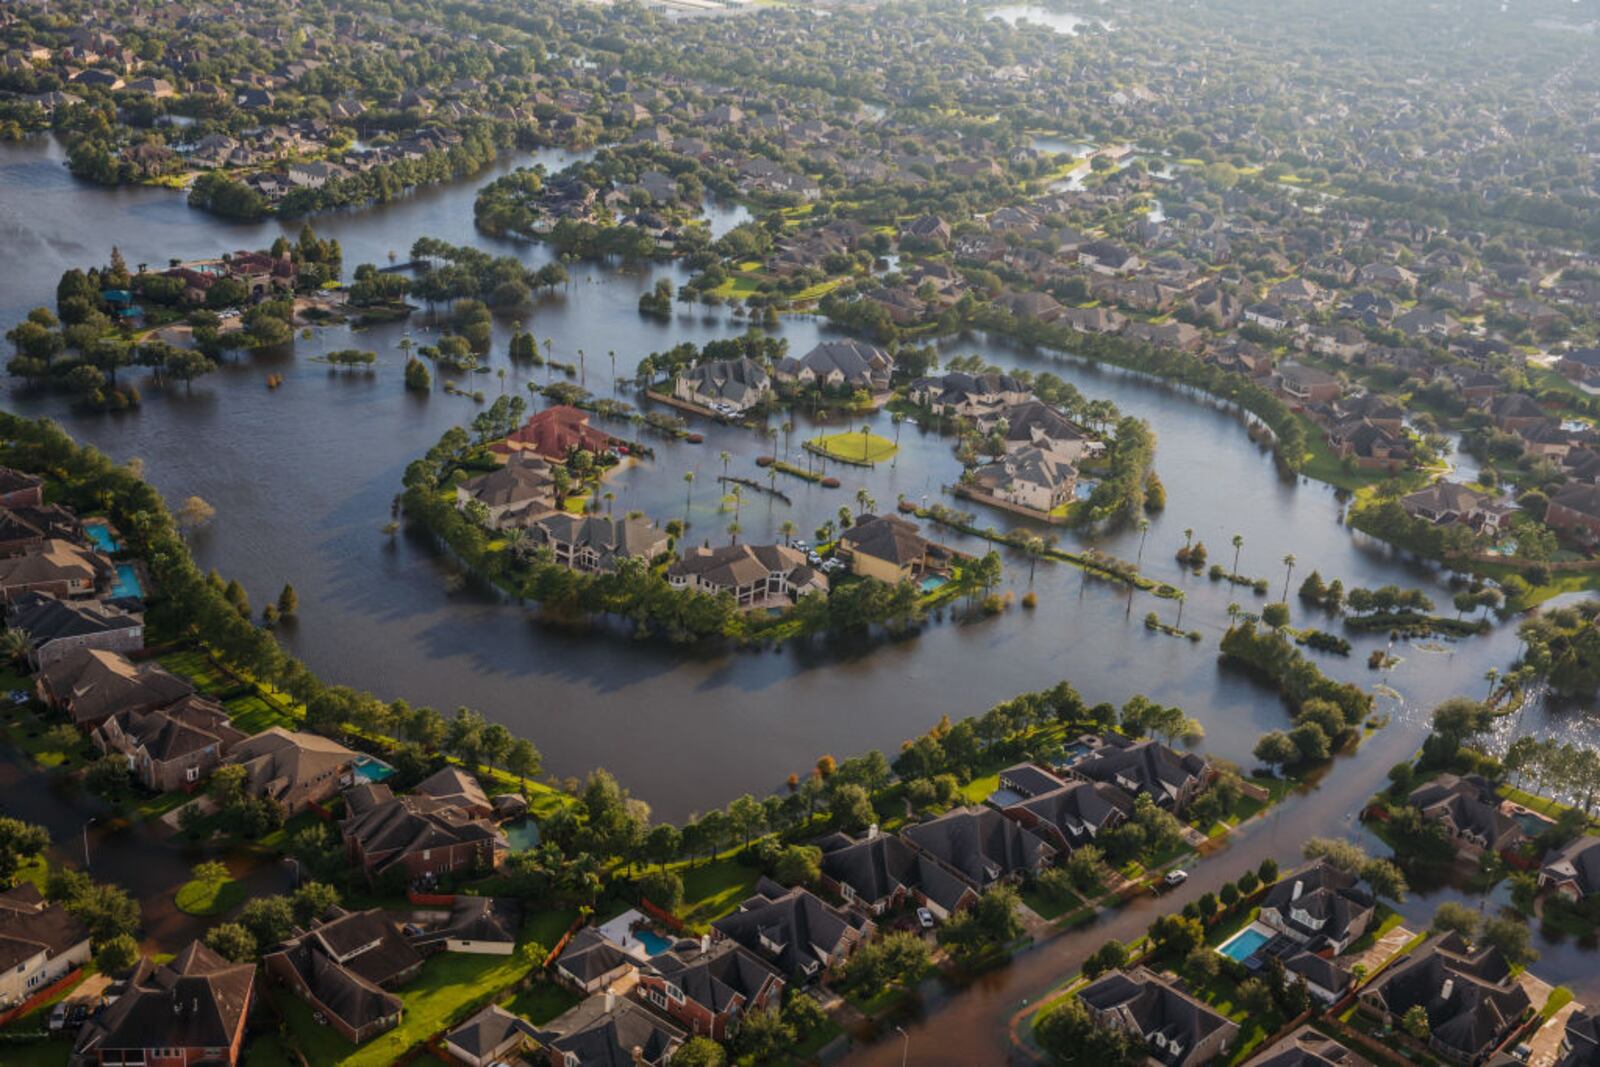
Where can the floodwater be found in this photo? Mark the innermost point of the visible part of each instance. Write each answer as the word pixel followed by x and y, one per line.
pixel 303 477
pixel 1062 22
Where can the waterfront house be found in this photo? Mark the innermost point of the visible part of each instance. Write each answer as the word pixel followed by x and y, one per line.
pixel 1029 478
pixel 1178 1030
pixel 755 576
pixel 417 834
pixel 1515 411
pixel 296 769
pixel 57 628
pixel 40 943
pixel 982 846
pixel 1469 812
pixel 555 433
pixel 1093 320
pixel 483 926
pixel 454 786
pixel 606 1030
pixel 739 384
pixel 968 395
pixel 1308 1047
pixel 346 967
pixel 1580 1041
pixel 591 961
pixel 175 747
pixel 1471 998
pixel 1308 385
pixel 1073 813
pixel 708 989
pixel 794 930
pixel 20 489
pixel 1319 904
pixel 593 543
pixel 491 1036
pixel 90 685
pixel 1172 779
pixel 884 547
pixel 1368 445
pixel 1453 504
pixel 1574 871
pixel 1035 424
pixel 524 487
pixel 192 1010
pixel 881 872
pixel 59 568
pixel 27 527
pixel 839 365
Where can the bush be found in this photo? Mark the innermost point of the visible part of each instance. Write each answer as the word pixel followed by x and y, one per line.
pixel 663 888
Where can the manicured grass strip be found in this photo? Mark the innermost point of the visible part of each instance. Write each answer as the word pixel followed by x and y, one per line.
pixel 853 446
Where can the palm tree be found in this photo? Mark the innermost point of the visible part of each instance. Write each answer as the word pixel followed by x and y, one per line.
pixel 1288 563
pixel 1034 547
pixel 1144 531
pixel 610 496
pixel 864 500
pixel 583 370
pixel 734 529
pixel 1182 596
pixel 688 493
pixel 1238 546
pixel 724 456
pixel 16 645
pixel 1492 675
pixel 897 418
pixel 738 501
pixel 1234 611
pixel 613 354
pixel 787 528
pixel 788 428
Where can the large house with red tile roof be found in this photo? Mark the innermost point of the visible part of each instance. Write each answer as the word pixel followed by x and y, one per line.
pixel 554 433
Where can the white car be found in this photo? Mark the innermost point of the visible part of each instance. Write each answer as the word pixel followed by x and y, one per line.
pixel 1176 877
pixel 802 544
pixel 813 559
pixel 925 917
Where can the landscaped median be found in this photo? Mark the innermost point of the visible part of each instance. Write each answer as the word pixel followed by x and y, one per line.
pixel 856 447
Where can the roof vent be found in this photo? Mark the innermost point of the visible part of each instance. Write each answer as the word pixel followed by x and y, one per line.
pixel 1298 886
pixel 1448 988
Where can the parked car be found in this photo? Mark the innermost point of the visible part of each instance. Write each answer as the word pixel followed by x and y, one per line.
pixel 58 1017
pixel 925 917
pixel 1176 877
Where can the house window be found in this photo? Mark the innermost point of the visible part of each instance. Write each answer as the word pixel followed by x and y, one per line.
pixel 191 774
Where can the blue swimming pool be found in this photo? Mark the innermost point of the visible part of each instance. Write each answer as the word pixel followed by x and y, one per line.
pixel 932 582
pixel 127 583
pixel 368 769
pixel 654 944
pixel 100 534
pixel 522 834
pixel 1242 945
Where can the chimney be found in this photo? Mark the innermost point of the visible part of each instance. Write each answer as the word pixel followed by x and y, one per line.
pixel 872 831
pixel 1448 988
pixel 637 1055
pixel 611 1002
pixel 705 943
pixel 1298 885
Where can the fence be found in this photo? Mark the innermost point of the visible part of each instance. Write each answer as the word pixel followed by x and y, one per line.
pixel 59 986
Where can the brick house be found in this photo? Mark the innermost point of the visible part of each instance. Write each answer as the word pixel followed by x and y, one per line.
pixel 709 989
pixel 419 834
pixel 186 1013
pixel 171 748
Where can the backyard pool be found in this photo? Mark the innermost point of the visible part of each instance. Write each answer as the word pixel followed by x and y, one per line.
pixel 369 769
pixel 654 944
pixel 101 535
pixel 127 583
pixel 1242 945
pixel 932 582
pixel 1532 825
pixel 522 834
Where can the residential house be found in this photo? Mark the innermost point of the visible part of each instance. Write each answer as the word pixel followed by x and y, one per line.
pixel 1575 510
pixel 1574 871
pixel 881 872
pixel 59 568
pixel 707 990
pixel 1030 304
pixel 594 543
pixel 1516 411
pixel 554 433
pixel 1320 904
pixel 1471 998
pixel 346 967
pixel 609 1031
pixel 1108 257
pixel 1580 1041
pixel 1176 335
pixel 1093 320
pixel 1029 478
pixel 1368 445
pixel 1178 1030
pixel 1308 1047
pixel 40 943
pixel 754 575
pixel 522 489
pixel 1308 385
pixel 1453 504
pixel 58 629
pixel 1469 812
pixel 885 547
pixel 174 747
pixel 454 786
pixel 295 769
pixel 794 930
pixel 1072 813
pixel 982 846
pixel 835 365
pixel 739 384
pixel 1035 424
pixel 90 685
pixel 1267 316
pixel 27 527
pixel 417 835
pixel 483 926
pixel 968 395
pixel 591 961
pixel 491 1036
pixel 1171 779
pixel 19 489
pixel 192 1010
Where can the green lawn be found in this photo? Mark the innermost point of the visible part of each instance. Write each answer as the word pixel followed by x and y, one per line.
pixel 542 1001
pixel 1048 906
pixel 854 447
pixel 450 984
pixel 713 889
pixel 196 666
pixel 196 897
pixel 47 1053
pixel 254 713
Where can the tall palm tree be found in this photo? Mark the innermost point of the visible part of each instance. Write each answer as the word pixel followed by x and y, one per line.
pixel 724 456
pixel 16 646
pixel 788 428
pixel 787 528
pixel 1144 531
pixel 1492 675
pixel 1234 611
pixel 613 354
pixel 738 501
pixel 1288 563
pixel 897 418
pixel 1034 547
pixel 583 369
pixel 610 496
pixel 1182 596
pixel 734 530
pixel 1238 546
pixel 864 501
pixel 688 495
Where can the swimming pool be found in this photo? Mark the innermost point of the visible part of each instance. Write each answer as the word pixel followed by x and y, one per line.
pixel 654 944
pixel 932 582
pixel 368 769
pixel 1532 825
pixel 127 583
pixel 1242 945
pixel 522 834
pixel 100 534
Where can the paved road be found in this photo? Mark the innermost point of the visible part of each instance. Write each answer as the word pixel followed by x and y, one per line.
pixel 969 1027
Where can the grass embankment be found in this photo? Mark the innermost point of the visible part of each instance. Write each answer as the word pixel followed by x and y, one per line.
pixel 204 897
